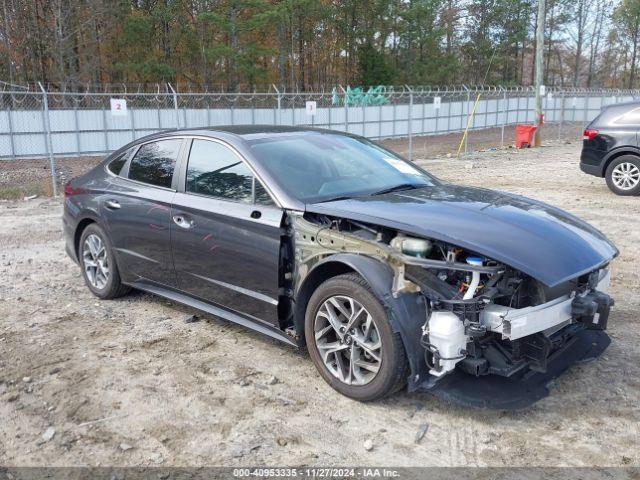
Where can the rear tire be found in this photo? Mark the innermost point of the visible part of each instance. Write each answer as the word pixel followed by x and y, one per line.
pixel 369 361
pixel 98 264
pixel 623 175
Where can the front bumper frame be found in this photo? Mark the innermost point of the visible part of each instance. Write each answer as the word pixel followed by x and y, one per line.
pixel 525 386
pixel 494 392
pixel 513 323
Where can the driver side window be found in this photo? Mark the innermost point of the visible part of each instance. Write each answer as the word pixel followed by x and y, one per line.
pixel 215 170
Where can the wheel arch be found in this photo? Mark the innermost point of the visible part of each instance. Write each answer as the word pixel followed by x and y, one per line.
pixel 323 271
pixel 617 154
pixel 80 227
pixel 406 312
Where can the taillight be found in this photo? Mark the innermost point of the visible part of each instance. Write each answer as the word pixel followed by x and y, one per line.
pixel 589 134
pixel 69 191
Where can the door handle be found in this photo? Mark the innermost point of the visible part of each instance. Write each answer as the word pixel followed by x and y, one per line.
pixel 182 221
pixel 112 204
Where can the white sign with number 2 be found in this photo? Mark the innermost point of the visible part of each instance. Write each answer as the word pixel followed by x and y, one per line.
pixel 118 106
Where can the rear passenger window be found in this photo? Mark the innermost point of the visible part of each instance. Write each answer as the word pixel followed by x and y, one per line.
pixel 216 171
pixel 154 162
pixel 115 166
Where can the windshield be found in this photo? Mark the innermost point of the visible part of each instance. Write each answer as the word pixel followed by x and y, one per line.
pixel 316 167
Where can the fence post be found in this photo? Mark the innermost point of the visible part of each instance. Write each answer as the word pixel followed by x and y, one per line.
pixel 49 142
pixel 77 125
pixel 278 119
pixel 106 131
pixel 561 114
pixel 9 119
pixel 466 149
pixel 504 115
pixel 346 110
pixel 175 105
pixel 158 112
pixel 410 125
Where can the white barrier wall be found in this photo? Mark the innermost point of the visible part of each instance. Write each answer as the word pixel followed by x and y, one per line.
pixel 82 131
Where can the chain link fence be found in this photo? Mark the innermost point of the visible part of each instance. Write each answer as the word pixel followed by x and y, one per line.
pixel 39 123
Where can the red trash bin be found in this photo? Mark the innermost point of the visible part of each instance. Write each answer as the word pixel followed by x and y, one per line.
pixel 524 135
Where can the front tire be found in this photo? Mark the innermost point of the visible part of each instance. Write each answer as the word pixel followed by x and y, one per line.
pixel 351 342
pixel 623 175
pixel 98 264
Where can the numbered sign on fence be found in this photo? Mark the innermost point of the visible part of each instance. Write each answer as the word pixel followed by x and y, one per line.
pixel 437 102
pixel 543 90
pixel 118 106
pixel 311 108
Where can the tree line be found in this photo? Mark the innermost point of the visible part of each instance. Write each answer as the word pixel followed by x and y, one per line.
pixel 311 44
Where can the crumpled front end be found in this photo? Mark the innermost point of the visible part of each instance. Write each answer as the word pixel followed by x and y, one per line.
pixel 512 354
pixel 480 332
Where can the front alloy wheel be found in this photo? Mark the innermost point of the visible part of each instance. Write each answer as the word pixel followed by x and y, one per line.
pixel 348 340
pixel 351 342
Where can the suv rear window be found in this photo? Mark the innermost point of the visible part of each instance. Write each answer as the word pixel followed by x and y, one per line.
pixel 154 162
pixel 632 118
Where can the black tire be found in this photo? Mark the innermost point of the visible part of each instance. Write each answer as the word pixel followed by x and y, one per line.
pixel 113 287
pixel 393 371
pixel 624 159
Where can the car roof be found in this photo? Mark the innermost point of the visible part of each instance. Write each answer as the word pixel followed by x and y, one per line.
pixel 253 132
pixel 630 103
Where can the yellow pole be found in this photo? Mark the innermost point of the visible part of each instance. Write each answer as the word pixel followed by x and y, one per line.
pixel 469 120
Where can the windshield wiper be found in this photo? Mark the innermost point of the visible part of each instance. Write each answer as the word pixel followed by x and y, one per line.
pixel 397 188
pixel 336 199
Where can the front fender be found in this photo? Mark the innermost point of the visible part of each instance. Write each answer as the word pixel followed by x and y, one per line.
pixel 406 311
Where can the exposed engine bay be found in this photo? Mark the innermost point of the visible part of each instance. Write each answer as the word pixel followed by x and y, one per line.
pixel 481 317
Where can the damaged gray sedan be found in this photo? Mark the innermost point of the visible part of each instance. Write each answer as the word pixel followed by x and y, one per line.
pixel 389 277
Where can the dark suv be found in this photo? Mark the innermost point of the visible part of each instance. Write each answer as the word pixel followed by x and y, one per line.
pixel 610 148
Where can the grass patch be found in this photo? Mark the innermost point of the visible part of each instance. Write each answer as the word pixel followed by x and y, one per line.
pixel 19 192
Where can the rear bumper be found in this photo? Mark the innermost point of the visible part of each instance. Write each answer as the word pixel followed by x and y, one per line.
pixel 69 237
pixel 592 160
pixel 494 392
pixel 595 170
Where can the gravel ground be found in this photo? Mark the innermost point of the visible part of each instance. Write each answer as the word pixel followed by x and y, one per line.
pixel 130 382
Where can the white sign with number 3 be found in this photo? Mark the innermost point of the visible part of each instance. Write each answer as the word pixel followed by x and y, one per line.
pixel 118 106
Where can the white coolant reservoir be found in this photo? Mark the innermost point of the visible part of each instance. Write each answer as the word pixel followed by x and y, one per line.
pixel 475 278
pixel 446 334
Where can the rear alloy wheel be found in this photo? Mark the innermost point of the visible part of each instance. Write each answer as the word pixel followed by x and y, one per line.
pixel 95 261
pixel 351 342
pixel 623 175
pixel 98 264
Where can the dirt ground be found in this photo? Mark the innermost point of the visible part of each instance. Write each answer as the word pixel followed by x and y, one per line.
pixel 130 382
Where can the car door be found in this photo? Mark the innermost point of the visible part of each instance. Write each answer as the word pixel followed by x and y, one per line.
pixel 137 210
pixel 226 233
